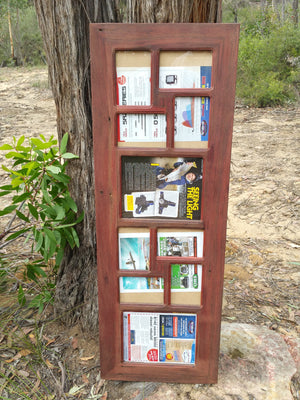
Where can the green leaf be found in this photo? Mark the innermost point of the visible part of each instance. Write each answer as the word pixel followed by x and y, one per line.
pixel 71 203
pixel 53 169
pixel 34 271
pixel 39 240
pixel 14 154
pixel 61 177
pixel 75 236
pixel 33 211
pixel 50 234
pixel 7 210
pixel 46 196
pixel 22 216
pixel 50 243
pixel 5 193
pixel 17 182
pixel 59 256
pixel 6 187
pixel 60 212
pixel 63 143
pixel 22 197
pixel 31 165
pixel 57 236
pixel 52 249
pixel 6 147
pixel 49 211
pixel 17 234
pixel 69 237
pixel 69 155
pixel 78 220
pixel 41 145
pixel 6 169
pixel 20 141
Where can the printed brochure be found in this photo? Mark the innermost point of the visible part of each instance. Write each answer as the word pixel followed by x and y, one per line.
pixel 159 337
pixel 133 86
pixel 191 119
pixel 191 116
pixel 134 250
pixel 180 244
pixel 137 284
pixel 142 128
pixel 162 187
pixel 196 77
pixel 186 278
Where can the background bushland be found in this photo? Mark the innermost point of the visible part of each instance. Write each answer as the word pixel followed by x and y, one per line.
pixel 269 53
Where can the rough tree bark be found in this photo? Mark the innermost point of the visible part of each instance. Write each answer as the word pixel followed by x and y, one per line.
pixel 65 29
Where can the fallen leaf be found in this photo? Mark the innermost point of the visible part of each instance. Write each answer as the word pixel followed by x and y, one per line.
pixel 256 259
pixel 99 385
pixel 49 365
pixel 22 353
pixel 74 343
pixel 32 338
pixel 25 352
pixel 87 358
pixel 75 389
pixel 27 330
pixel 49 341
pixel 85 379
pixel 24 374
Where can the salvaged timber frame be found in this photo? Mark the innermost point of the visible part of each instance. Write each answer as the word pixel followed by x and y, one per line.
pixel 114 45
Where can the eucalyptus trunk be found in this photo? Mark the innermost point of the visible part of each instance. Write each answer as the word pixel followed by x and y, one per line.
pixel 65 29
pixel 11 40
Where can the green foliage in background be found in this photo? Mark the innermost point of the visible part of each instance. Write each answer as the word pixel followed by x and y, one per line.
pixel 269 55
pixel 27 40
pixel 269 64
pixel 39 208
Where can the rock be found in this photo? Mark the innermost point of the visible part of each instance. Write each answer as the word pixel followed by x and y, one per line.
pixel 255 364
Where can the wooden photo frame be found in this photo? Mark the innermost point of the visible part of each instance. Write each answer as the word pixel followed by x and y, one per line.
pixel 162 104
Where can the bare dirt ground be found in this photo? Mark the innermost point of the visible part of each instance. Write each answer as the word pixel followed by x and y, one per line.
pixel 262 255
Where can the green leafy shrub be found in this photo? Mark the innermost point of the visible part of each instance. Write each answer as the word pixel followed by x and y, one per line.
pixel 41 208
pixel 268 68
pixel 30 44
pixel 26 36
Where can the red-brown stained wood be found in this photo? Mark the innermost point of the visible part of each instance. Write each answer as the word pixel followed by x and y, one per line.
pixel 106 39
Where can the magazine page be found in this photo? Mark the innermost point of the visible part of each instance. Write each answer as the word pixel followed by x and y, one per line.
pixel 159 337
pixel 180 244
pixel 141 290
pixel 142 128
pixel 186 278
pixel 191 119
pixel 133 284
pixel 162 187
pixel 134 250
pixel 134 86
pixel 184 77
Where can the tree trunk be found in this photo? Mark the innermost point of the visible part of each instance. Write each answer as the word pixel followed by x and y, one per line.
pixel 65 29
pixel 295 11
pixel 151 11
pixel 12 50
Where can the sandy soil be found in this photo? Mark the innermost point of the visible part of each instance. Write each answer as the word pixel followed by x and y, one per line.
pixel 262 254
